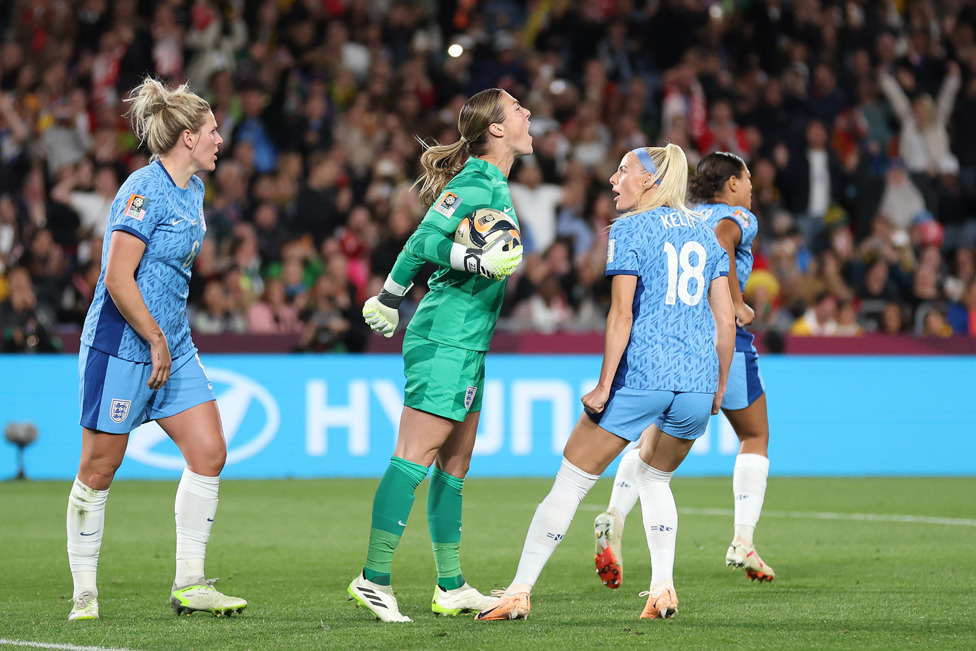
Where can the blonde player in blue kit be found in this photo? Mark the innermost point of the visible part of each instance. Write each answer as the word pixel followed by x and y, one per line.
pixel 137 361
pixel 722 191
pixel 669 342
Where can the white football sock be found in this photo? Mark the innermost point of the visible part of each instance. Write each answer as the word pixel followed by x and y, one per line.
pixel 550 523
pixel 196 507
pixel 624 495
pixel 749 492
pixel 85 524
pixel 660 520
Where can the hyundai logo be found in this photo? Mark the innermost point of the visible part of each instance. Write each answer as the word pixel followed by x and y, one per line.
pixel 249 414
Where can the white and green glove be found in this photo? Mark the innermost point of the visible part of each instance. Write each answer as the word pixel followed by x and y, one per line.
pixel 381 312
pixel 491 262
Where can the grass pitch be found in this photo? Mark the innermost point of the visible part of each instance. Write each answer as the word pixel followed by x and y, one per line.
pixel 866 563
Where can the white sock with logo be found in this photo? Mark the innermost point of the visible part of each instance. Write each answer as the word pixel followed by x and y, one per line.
pixel 624 495
pixel 660 520
pixel 196 508
pixel 749 492
pixel 85 523
pixel 550 523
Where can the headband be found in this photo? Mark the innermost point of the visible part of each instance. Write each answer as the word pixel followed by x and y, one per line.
pixel 645 160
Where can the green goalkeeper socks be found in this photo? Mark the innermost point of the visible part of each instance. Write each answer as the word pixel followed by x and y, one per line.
pixel 391 508
pixel 444 519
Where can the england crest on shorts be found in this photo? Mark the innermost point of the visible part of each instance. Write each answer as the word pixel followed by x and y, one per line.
pixel 469 396
pixel 120 410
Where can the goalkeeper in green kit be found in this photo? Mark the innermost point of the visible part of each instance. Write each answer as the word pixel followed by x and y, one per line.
pixel 444 348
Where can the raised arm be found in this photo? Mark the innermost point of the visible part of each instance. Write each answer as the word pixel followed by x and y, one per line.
pixel 896 96
pixel 947 94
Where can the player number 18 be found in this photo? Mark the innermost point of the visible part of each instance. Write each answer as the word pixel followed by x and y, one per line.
pixel 678 282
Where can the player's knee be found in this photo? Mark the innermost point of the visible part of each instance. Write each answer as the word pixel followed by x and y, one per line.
pixel 215 462
pixel 97 475
pixel 208 462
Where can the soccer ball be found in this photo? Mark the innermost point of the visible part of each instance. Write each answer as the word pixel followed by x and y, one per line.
pixel 486 225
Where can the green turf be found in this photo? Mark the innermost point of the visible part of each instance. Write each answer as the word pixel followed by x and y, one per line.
pixel 291 548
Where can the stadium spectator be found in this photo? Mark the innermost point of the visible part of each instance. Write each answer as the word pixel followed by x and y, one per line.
pixel 847 325
pixel 66 141
pixel 216 314
pixel 444 348
pixel 901 201
pixel 325 199
pixel 892 320
pixel 272 315
pixel 819 320
pixel 89 192
pixel 638 389
pixel 877 291
pixel 331 319
pixel 961 314
pixel 811 180
pixel 934 323
pixel 78 294
pixel 722 133
pixel 530 195
pixel 26 324
pixel 137 359
pixel 961 271
pixel 923 142
pixel 14 135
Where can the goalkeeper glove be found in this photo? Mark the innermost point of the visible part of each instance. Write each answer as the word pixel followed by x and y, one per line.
pixel 491 262
pixel 381 312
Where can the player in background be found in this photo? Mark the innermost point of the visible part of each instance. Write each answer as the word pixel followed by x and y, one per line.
pixel 723 188
pixel 665 364
pixel 137 361
pixel 444 349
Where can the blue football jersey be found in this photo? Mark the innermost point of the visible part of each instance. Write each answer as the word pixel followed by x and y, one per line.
pixel 749 225
pixel 675 257
pixel 169 219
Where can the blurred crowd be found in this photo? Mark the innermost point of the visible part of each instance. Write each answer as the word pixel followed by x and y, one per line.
pixel 852 116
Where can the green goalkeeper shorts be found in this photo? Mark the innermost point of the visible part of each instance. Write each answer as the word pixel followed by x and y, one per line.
pixel 441 379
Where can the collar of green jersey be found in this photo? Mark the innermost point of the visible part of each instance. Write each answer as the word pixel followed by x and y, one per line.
pixel 486 167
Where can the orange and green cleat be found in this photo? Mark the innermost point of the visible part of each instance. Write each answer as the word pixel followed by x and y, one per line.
pixel 608 528
pixel 743 554
pixel 661 604
pixel 515 606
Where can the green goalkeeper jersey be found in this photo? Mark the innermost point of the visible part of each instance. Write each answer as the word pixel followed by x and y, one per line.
pixel 461 308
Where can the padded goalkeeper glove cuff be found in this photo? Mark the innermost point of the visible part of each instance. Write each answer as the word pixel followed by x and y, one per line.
pixel 491 262
pixel 381 312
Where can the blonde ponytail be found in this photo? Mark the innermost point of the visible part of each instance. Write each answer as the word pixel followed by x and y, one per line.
pixel 159 115
pixel 443 162
pixel 671 178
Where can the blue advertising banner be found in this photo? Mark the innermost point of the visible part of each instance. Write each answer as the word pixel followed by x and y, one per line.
pixel 337 416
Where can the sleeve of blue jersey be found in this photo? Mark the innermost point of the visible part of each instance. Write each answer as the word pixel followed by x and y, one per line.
pixel 747 223
pixel 721 258
pixel 141 228
pixel 622 258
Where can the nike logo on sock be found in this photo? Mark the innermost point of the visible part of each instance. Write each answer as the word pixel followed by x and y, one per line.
pixel 401 523
pixel 210 519
pixel 90 534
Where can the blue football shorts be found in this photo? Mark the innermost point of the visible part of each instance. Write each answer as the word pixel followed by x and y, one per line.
pixel 114 396
pixel 745 383
pixel 629 412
